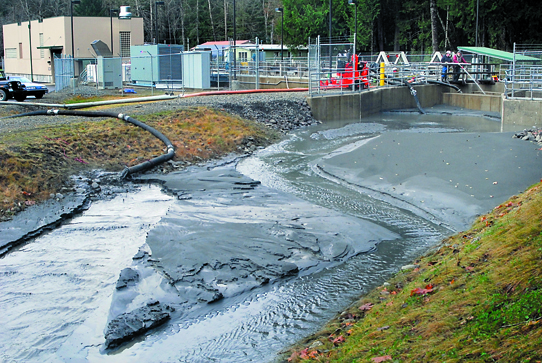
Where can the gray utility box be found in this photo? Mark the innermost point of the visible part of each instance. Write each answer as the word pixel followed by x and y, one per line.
pixel 197 69
pixel 109 73
pixel 154 64
pixel 109 69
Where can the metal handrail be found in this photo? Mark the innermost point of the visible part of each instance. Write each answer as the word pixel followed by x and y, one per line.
pixel 523 82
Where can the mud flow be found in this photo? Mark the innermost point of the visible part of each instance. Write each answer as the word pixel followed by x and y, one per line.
pixel 234 261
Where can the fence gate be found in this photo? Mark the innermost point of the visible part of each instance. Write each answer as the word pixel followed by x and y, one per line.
pixel 64 68
pixel 328 72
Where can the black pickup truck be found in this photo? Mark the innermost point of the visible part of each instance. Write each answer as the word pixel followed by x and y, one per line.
pixel 11 89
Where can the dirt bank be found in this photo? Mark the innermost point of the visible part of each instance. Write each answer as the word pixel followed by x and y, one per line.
pixel 39 154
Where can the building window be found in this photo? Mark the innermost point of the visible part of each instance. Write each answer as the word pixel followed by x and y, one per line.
pixel 125 42
pixel 42 51
pixel 11 52
pixel 243 56
pixel 20 50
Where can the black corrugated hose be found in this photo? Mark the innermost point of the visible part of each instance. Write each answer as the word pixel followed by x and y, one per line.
pixel 445 84
pixel 127 171
pixel 414 93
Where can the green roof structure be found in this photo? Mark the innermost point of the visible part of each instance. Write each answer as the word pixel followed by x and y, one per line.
pixel 500 54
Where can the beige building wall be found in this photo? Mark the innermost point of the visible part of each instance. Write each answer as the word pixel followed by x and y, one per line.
pixel 52 37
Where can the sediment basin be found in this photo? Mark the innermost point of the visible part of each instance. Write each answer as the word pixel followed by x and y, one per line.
pixel 255 253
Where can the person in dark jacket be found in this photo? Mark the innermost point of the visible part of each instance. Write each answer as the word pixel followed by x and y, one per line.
pixel 445 60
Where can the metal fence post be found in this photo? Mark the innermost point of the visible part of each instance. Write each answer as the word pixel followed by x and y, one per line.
pixel 514 70
pixel 257 64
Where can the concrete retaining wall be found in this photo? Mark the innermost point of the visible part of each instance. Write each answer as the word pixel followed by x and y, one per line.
pixel 490 103
pixel 358 105
pixel 525 113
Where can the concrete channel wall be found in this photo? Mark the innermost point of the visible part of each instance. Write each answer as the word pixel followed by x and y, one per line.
pixel 522 112
pixel 358 105
pixel 526 113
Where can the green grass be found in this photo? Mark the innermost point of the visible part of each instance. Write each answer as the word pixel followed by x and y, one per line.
pixel 36 163
pixel 141 92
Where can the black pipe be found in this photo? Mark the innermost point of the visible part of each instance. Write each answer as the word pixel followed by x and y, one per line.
pixel 414 93
pixel 127 171
pixel 445 84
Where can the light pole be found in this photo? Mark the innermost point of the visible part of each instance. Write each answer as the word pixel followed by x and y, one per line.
pixel 111 11
pixel 281 11
pixel 156 20
pixel 330 17
pixel 234 43
pixel 73 2
pixel 355 3
pixel 477 8
pixel 330 55
pixel 152 75
pixel 30 43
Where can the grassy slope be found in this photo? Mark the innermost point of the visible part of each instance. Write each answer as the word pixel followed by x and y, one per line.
pixel 34 164
pixel 478 298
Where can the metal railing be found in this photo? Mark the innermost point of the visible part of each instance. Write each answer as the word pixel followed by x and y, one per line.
pixel 334 74
pixel 327 69
pixel 524 81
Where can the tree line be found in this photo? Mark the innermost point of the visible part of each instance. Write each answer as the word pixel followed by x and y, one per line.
pixel 409 25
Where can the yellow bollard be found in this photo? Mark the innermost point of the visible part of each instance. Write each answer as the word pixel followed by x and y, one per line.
pixel 382 73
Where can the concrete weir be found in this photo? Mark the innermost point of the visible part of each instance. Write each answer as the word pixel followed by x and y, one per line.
pixel 523 113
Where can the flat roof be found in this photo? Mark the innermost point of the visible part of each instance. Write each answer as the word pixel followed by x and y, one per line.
pixel 500 54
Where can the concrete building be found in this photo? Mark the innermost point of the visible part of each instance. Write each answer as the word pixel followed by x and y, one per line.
pixel 30 47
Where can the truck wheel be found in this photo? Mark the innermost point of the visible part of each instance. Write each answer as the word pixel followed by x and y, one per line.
pixel 20 98
pixel 3 95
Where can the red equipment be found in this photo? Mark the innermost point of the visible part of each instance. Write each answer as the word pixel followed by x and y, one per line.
pixel 351 72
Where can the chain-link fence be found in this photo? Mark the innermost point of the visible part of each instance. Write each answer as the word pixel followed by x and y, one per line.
pixel 64 73
pixel 524 76
pixel 239 67
pixel 330 67
pixel 251 67
pixel 334 68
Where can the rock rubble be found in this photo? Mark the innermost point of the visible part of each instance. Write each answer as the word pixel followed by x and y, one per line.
pixel 534 135
pixel 136 322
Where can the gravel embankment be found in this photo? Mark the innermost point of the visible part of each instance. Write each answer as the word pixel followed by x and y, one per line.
pixel 282 111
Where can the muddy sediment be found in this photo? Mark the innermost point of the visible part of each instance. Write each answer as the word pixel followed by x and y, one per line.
pixel 227 234
pixel 264 235
pixel 283 112
pixel 280 111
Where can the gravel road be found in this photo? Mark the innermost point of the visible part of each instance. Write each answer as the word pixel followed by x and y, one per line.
pixel 282 111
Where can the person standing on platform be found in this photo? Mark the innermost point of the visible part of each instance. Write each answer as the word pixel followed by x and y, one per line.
pixel 445 60
pixel 458 58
